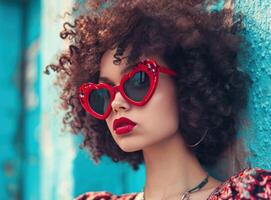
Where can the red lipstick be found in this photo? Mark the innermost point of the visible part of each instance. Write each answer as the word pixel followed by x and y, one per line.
pixel 123 125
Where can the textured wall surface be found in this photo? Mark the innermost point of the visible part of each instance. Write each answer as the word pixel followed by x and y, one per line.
pixel 32 96
pixel 256 59
pixel 19 112
pixel 11 100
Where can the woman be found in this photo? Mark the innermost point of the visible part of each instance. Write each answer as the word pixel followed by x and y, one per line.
pixel 157 82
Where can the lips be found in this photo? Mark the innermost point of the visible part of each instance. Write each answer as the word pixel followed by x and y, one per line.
pixel 123 125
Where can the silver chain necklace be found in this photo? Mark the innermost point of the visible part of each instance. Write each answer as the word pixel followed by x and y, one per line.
pixel 186 195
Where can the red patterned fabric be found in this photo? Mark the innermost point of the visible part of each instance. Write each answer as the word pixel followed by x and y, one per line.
pixel 106 196
pixel 249 184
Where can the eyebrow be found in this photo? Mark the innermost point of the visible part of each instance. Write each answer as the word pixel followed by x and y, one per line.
pixel 123 71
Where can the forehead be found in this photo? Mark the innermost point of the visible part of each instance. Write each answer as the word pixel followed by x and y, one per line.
pixel 109 69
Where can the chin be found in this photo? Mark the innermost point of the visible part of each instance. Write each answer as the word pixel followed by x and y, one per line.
pixel 129 148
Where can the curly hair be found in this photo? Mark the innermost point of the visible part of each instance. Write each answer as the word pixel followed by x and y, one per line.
pixel 200 45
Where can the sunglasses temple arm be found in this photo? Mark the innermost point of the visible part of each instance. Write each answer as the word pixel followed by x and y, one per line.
pixel 167 71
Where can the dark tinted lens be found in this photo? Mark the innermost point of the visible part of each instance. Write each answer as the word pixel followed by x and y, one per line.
pixel 137 87
pixel 99 100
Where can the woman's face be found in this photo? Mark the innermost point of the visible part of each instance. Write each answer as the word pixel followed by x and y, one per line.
pixel 156 121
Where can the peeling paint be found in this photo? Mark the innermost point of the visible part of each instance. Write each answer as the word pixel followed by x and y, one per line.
pixel 31 100
pixel 8 168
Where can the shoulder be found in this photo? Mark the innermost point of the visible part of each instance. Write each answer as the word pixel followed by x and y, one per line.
pixel 250 183
pixel 104 195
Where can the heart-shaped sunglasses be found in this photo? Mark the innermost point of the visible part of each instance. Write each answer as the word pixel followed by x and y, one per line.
pixel 136 87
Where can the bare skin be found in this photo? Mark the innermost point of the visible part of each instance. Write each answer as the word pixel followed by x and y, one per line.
pixel 170 167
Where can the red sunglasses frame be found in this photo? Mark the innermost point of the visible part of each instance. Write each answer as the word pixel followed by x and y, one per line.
pixel 149 66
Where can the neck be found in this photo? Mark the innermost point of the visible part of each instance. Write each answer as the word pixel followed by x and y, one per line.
pixel 170 169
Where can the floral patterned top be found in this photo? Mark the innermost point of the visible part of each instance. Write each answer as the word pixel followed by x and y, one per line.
pixel 249 184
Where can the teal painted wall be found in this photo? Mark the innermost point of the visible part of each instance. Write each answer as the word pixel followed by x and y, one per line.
pixel 40 161
pixel 256 59
pixel 19 113
pixel 31 158
pixel 11 99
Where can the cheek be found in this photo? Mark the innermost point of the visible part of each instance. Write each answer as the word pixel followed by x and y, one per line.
pixel 160 115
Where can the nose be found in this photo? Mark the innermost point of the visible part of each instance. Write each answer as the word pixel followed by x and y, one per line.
pixel 119 104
